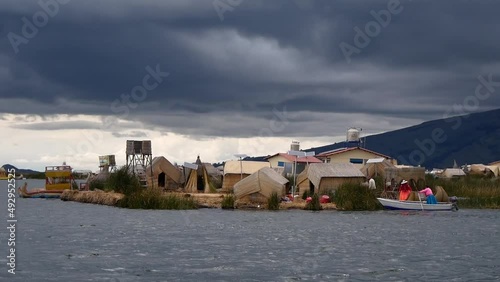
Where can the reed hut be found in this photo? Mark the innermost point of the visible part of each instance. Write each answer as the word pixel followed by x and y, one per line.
pixel 215 175
pixel 452 173
pixel 235 171
pixel 414 175
pixel 259 186
pixel 322 177
pixel 198 180
pixel 163 174
pixel 376 167
pixel 483 170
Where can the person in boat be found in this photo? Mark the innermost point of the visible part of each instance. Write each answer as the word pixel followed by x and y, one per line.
pixel 404 190
pixel 431 199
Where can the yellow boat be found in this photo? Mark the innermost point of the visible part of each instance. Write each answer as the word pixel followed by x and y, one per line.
pixel 57 179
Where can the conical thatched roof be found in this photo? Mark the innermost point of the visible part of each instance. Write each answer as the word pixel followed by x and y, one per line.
pixel 197 180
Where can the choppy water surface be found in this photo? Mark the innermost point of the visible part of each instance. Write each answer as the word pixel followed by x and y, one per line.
pixel 67 241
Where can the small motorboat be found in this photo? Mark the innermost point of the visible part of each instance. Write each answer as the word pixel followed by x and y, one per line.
pixel 417 205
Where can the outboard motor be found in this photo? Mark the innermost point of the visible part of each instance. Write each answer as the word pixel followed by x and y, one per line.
pixel 454 203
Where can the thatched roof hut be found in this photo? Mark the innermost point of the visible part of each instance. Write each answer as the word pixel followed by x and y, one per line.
pixel 164 174
pixel 198 180
pixel 480 169
pixel 259 186
pixel 376 167
pixel 321 177
pixel 414 175
pixel 214 173
pixel 234 171
pixel 452 173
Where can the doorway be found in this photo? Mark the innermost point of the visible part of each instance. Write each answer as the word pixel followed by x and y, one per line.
pixel 161 179
pixel 200 183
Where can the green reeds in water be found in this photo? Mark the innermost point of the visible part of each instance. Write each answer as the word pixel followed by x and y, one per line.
pixel 354 197
pixel 273 203
pixel 314 205
pixel 154 199
pixel 228 202
pixel 473 191
pixel 97 184
pixel 122 181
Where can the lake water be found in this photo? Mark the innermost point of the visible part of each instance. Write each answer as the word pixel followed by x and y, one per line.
pixel 68 241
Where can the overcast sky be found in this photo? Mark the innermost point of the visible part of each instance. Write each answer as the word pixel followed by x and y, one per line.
pixel 216 78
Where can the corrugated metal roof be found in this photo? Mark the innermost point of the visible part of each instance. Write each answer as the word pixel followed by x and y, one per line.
pixel 308 159
pixel 343 150
pixel 375 161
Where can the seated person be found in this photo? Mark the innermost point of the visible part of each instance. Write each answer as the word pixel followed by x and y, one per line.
pixel 404 190
pixel 431 199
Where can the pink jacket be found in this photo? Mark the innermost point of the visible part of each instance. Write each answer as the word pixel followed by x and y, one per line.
pixel 427 191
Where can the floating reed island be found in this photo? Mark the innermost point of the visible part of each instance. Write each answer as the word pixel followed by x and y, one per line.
pixel 157 199
pixel 266 190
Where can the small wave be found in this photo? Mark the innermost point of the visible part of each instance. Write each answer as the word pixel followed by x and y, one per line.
pixel 113 269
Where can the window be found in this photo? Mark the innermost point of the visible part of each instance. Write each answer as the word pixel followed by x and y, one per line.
pixel 356 161
pixel 281 164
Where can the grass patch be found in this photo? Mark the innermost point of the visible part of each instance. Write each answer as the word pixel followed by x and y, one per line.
pixel 314 205
pixel 154 199
pixel 273 203
pixel 97 184
pixel 354 197
pixel 228 202
pixel 122 181
pixel 305 195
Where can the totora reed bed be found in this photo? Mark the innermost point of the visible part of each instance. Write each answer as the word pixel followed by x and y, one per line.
pixel 173 201
pixel 93 197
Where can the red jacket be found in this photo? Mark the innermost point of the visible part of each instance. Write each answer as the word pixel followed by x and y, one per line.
pixel 404 187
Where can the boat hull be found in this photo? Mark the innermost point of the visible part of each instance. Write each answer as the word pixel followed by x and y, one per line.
pixel 415 205
pixel 43 195
pixel 39 193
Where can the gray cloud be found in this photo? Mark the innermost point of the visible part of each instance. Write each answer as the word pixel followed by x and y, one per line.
pixel 132 134
pixel 227 77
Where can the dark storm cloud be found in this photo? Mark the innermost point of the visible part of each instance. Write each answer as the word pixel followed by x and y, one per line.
pixel 226 77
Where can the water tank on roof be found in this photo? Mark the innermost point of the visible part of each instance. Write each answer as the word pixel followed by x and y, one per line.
pixel 295 146
pixel 353 135
pixel 138 147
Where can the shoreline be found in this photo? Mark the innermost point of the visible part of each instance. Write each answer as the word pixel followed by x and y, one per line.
pixel 204 201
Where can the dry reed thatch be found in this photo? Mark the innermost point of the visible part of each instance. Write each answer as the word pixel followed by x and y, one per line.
pixel 93 197
pixel 441 195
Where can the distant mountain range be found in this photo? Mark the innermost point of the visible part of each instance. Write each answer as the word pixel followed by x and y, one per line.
pixel 19 170
pixel 467 139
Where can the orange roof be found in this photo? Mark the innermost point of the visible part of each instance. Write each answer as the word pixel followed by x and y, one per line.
pixel 308 159
pixel 343 150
